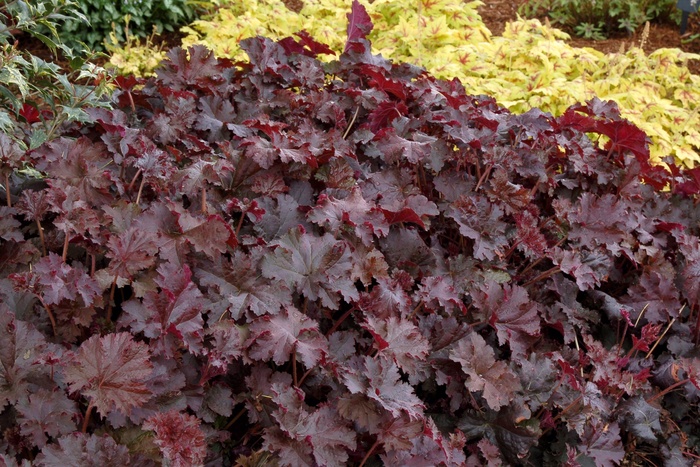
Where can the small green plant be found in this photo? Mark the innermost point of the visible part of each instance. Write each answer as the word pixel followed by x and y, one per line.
pixel 590 31
pixel 597 19
pixel 107 16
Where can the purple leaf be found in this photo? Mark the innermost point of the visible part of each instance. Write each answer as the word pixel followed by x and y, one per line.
pixel 359 24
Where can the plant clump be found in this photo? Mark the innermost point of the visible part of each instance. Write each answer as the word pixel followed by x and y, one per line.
pixel 294 262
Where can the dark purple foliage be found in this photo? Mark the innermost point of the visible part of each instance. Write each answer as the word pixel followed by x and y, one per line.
pixel 344 264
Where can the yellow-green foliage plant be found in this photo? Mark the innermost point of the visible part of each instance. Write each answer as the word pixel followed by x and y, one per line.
pixel 530 65
pixel 397 25
pixel 130 57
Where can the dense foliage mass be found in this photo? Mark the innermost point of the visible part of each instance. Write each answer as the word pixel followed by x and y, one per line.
pixel 286 262
pixel 142 16
pixel 529 66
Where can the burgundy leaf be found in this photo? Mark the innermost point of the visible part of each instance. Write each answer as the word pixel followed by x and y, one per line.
pixel 210 235
pixel 317 267
pixel 590 269
pixel 80 449
pixel 46 414
pixel 380 381
pixel 171 318
pixel 400 341
pixel 439 293
pixel 241 287
pixel 359 23
pixel 385 113
pixel 482 221
pixel 353 213
pixel 9 226
pixel 194 67
pixel 530 239
pixel 129 253
pixel 398 432
pixel 603 444
pixel 60 281
pixel 276 337
pixel 21 346
pixel 394 148
pixel 511 313
pixel 492 377
pixel 111 371
pixel 81 164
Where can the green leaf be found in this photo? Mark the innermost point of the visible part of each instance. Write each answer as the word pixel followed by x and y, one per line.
pixel 75 114
pixel 14 102
pixel 37 138
pixel 11 75
pixel 6 123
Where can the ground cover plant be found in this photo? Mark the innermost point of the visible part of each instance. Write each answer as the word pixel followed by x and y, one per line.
pixel 529 66
pixel 289 262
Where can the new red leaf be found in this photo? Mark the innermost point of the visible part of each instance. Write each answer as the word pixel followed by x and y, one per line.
pixel 179 438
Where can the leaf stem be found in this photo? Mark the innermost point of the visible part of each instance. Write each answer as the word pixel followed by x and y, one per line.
pixel 660 337
pixel 369 453
pixel 294 367
pixel 7 191
pixel 133 180
pixel 235 418
pixel 41 236
pixel 337 324
pixel 86 420
pixel 303 377
pixel 573 404
pixel 48 311
pixel 111 298
pixel 667 390
pixel 138 197
pixel 131 101
pixel 65 247
pixel 204 200
pixel 352 122
pixel 415 310
pixel 240 223
pixel 544 275
pixel 622 339
pixel 482 179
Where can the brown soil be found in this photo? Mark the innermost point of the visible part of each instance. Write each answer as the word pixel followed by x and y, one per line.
pixel 495 14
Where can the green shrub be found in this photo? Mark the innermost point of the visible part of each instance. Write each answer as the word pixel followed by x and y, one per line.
pixel 145 16
pixel 38 97
pixel 597 19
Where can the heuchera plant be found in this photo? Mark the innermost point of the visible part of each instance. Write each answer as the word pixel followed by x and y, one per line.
pixel 285 262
